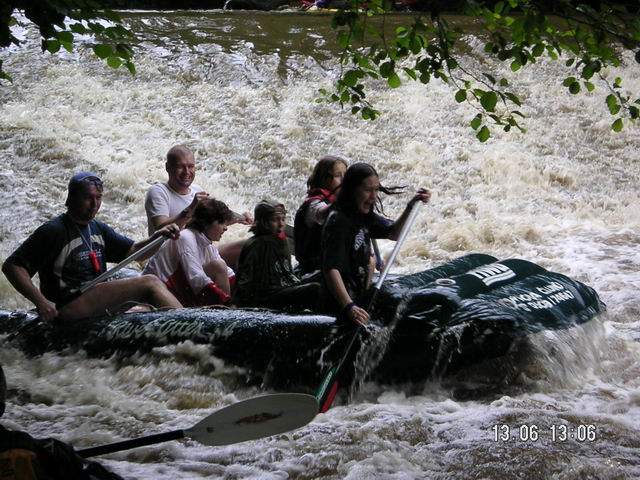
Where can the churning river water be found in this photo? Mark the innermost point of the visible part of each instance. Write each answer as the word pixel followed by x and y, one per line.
pixel 239 89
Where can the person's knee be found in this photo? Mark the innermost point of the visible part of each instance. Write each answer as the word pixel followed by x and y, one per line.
pixel 216 267
pixel 150 282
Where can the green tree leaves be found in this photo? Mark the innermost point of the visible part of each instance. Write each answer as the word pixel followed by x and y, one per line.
pixel 60 21
pixel 103 51
pixel 617 125
pixel 587 39
pixel 461 96
pixel 484 134
pixel 612 104
pixel 488 100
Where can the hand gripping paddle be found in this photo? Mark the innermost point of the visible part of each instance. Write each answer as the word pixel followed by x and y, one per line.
pixel 328 388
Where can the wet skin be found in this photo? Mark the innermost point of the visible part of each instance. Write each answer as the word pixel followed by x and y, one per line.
pixel 367 194
pixel 181 173
pixel 84 206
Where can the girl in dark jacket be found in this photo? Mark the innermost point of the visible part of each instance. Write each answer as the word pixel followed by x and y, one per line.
pixel 323 186
pixel 265 277
pixel 346 240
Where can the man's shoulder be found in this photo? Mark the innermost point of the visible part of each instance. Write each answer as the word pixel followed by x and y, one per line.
pixel 48 237
pixel 163 189
pixel 109 233
pixel 99 226
pixel 158 188
pixel 57 224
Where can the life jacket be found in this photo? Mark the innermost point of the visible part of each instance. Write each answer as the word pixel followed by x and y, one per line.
pixel 19 464
pixel 307 239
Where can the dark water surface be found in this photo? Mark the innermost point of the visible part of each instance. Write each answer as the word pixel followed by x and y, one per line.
pixel 239 88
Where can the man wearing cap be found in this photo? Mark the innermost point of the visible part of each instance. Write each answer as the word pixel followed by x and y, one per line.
pixel 176 200
pixel 73 249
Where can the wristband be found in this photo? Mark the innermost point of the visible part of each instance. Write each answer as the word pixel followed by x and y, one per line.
pixel 347 308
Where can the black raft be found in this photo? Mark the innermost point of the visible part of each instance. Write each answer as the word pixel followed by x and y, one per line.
pixel 437 321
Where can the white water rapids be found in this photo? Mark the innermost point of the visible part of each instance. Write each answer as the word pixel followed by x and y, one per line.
pixel 239 89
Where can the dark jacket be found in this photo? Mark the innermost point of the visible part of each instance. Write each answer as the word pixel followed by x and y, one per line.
pixel 51 459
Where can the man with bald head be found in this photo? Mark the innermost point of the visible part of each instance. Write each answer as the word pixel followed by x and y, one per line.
pixel 176 200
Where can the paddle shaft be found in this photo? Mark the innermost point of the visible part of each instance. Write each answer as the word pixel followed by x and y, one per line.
pixel 394 253
pixel 128 444
pixel 376 252
pixel 134 256
pixel 376 288
pixel 330 381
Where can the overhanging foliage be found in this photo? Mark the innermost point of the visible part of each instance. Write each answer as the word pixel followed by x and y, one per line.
pixel 59 21
pixel 587 36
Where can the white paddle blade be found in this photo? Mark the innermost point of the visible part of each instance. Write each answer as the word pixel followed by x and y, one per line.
pixel 255 417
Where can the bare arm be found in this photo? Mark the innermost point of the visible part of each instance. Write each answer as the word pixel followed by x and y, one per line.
pixel 244 218
pixel 182 218
pixel 422 195
pixel 339 292
pixel 171 231
pixel 21 280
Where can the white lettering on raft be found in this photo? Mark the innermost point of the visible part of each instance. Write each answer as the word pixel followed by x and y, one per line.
pixel 550 288
pixel 490 274
pixel 129 329
pixel 550 295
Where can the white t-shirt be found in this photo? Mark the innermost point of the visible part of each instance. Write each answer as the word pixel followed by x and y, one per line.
pixel 162 200
pixel 190 252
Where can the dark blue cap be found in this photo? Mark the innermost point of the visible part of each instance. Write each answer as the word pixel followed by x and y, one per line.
pixel 80 177
pixel 79 181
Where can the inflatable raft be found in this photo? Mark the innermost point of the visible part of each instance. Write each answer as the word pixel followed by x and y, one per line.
pixel 466 311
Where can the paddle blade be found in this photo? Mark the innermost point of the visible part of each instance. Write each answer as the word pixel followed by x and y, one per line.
pixel 254 418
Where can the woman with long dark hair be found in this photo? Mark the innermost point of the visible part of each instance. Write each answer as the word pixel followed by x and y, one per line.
pixel 346 239
pixel 322 188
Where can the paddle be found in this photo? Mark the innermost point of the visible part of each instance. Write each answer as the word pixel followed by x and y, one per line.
pixel 376 253
pixel 328 388
pixel 134 256
pixel 249 419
